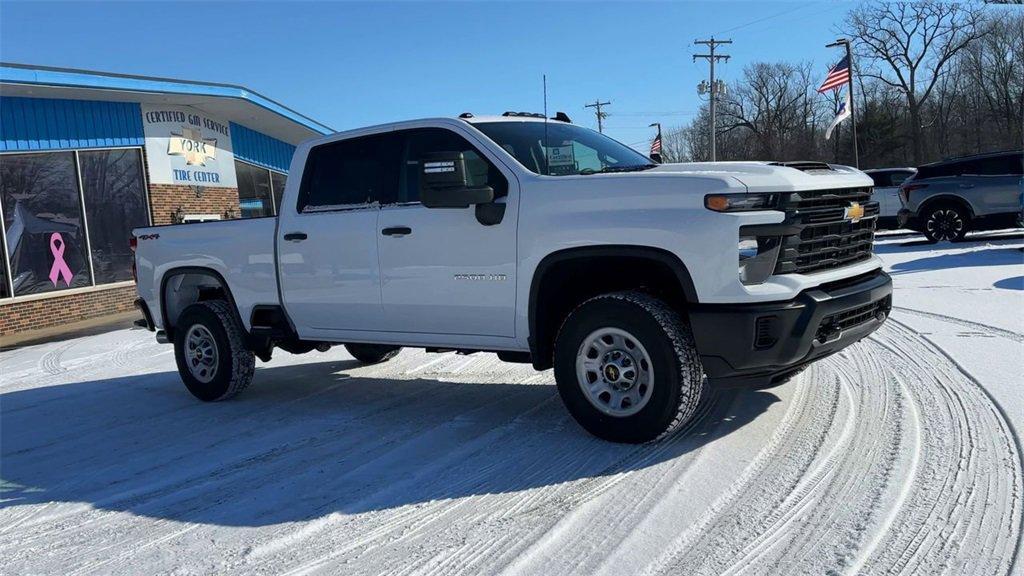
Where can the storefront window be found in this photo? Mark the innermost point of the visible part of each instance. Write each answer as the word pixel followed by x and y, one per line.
pixel 114 205
pixel 5 287
pixel 43 222
pixel 278 180
pixel 254 197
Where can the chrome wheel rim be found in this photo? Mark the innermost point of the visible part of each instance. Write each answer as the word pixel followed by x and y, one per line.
pixel 615 372
pixel 945 224
pixel 201 353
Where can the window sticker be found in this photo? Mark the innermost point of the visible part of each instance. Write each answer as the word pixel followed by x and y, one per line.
pixel 561 160
pixel 59 269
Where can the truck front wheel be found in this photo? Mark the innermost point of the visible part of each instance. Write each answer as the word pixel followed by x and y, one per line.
pixel 209 347
pixel 627 368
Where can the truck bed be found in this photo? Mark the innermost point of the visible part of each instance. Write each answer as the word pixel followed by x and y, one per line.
pixel 241 251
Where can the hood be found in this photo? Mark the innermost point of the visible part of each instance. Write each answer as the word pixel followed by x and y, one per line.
pixel 774 177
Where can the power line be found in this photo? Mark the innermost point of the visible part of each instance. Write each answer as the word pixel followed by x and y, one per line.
pixel 665 113
pixel 769 17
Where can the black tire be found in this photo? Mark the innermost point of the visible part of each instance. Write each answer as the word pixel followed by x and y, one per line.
pixel 945 222
pixel 659 330
pixel 234 364
pixel 372 353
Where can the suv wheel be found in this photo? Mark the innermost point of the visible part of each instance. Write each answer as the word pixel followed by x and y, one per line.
pixel 372 353
pixel 209 347
pixel 626 367
pixel 946 222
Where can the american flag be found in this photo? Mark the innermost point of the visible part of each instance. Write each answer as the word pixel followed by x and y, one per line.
pixel 656 145
pixel 837 76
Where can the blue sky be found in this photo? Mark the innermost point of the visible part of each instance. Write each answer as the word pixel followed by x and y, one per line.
pixel 353 64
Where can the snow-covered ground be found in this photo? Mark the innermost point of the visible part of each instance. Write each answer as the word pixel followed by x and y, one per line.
pixel 900 455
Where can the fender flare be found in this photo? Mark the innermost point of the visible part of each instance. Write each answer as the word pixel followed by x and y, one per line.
pixel 945 198
pixel 659 255
pixel 180 270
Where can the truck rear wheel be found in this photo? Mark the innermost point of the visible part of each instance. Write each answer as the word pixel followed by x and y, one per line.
pixel 627 368
pixel 209 347
pixel 372 353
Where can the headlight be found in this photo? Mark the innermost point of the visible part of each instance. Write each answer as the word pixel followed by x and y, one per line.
pixel 757 257
pixel 740 202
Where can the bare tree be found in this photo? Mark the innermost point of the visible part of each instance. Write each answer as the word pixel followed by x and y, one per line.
pixel 908 46
pixel 774 106
pixel 675 144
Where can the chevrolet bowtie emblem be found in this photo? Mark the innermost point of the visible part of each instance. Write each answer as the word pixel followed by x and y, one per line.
pixel 191 144
pixel 854 212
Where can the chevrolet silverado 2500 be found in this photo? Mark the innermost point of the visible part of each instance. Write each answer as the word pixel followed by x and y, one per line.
pixel 542 241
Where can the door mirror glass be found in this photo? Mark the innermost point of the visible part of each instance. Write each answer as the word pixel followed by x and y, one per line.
pixel 451 180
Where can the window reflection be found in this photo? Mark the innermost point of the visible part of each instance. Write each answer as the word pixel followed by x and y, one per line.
pixel 278 181
pixel 254 198
pixel 43 221
pixel 114 205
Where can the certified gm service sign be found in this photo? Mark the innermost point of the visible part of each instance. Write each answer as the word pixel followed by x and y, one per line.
pixel 186 146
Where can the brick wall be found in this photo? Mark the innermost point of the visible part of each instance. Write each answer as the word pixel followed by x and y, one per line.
pixel 164 199
pixel 46 312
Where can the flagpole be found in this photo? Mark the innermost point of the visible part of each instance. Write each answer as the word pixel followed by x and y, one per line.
pixel 660 142
pixel 853 114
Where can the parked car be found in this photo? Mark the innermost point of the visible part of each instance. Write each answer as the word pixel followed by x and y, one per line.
pixel 947 199
pixel 887 193
pixel 542 241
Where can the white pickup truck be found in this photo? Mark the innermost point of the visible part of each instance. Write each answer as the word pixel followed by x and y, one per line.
pixel 542 241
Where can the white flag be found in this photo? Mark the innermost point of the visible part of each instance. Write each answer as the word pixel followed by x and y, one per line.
pixel 844 113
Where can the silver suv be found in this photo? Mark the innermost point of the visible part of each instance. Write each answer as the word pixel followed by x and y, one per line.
pixel 945 200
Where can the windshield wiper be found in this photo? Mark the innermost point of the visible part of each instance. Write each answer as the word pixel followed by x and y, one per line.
pixel 608 169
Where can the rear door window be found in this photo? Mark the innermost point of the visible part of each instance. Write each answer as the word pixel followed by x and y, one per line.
pixel 350 173
pixel 998 166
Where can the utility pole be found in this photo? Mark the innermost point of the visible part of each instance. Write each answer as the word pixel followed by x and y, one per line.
pixel 600 115
pixel 853 116
pixel 713 88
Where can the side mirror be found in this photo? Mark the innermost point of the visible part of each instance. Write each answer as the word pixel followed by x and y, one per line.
pixel 445 183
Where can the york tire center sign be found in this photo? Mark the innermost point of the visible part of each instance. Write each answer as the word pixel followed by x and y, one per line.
pixel 186 146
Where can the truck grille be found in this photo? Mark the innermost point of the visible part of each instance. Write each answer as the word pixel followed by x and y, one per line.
pixel 826 239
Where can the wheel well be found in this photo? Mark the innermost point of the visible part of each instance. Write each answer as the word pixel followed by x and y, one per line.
pixel 940 200
pixel 565 280
pixel 184 287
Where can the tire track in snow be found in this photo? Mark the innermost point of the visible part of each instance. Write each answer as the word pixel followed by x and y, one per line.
pixel 950 496
pixel 985 328
pixel 612 485
pixel 889 458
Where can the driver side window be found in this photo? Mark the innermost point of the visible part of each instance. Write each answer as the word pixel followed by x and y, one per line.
pixel 423 141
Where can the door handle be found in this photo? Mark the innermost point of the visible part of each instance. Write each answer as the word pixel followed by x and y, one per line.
pixel 396 231
pixel 295 236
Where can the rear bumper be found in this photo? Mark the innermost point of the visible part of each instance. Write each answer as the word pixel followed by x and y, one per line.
pixel 757 343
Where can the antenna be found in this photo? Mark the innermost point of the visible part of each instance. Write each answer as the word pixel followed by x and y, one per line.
pixel 546 167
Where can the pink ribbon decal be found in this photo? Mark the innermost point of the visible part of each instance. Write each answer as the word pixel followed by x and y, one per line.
pixel 60 267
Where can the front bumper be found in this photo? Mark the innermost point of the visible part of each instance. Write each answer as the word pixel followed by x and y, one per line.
pixel 755 344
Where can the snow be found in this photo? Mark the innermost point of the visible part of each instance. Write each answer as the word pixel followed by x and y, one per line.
pixel 899 455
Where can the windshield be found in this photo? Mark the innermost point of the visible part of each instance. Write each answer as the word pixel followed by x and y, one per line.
pixel 569 149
